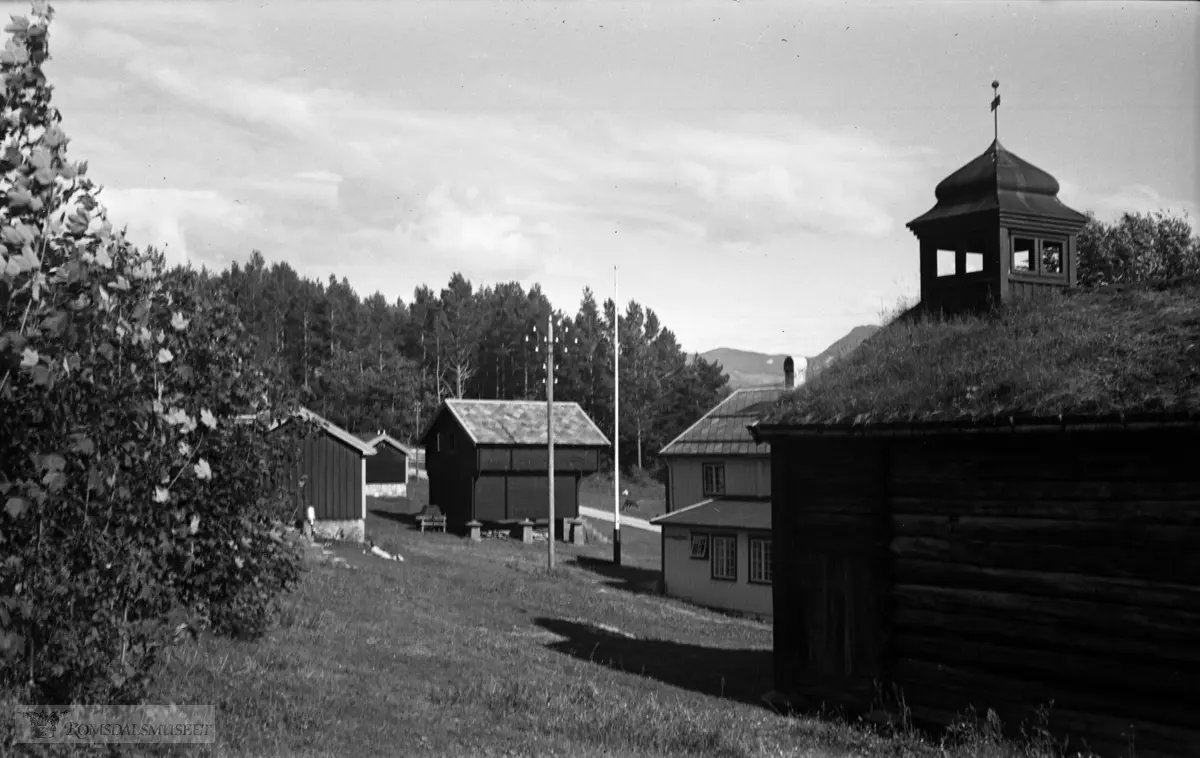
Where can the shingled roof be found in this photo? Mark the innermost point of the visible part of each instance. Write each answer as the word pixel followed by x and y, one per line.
pixel 520 422
pixel 723 430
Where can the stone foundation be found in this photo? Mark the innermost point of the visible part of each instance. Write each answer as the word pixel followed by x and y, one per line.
pixel 353 530
pixel 387 490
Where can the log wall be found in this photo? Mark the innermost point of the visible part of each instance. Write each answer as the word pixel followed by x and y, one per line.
pixel 1028 568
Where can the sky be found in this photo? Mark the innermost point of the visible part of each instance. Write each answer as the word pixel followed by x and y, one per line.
pixel 747 166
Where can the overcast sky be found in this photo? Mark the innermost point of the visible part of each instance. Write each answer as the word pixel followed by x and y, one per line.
pixel 748 165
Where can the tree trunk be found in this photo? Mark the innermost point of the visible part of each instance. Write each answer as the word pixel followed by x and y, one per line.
pixel 305 357
pixel 639 441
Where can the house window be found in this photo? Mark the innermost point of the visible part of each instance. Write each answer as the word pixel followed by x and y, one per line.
pixel 699 546
pixel 1022 254
pixel 1038 256
pixel 947 264
pixel 714 479
pixel 1052 257
pixel 974 262
pixel 724 558
pixel 760 560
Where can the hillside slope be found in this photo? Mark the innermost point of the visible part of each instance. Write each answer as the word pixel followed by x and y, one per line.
pixel 839 349
pixel 750 369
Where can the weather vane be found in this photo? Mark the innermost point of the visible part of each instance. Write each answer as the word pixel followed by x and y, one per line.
pixel 995 108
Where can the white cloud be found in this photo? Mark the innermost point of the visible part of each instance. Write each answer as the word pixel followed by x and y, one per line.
pixel 173 219
pixel 459 225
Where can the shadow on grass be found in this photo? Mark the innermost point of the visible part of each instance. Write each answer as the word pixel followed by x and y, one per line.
pixel 628 578
pixel 407 519
pixel 742 675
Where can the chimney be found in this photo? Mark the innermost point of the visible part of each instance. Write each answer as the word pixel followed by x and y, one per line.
pixel 789 373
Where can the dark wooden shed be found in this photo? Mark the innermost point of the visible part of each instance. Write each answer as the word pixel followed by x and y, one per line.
pixel 333 464
pixel 388 470
pixel 487 460
pixel 1001 512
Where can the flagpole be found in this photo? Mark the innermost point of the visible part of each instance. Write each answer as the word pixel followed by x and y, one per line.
pixel 550 431
pixel 616 425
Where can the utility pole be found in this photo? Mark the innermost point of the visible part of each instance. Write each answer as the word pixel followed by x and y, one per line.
pixel 616 425
pixel 551 380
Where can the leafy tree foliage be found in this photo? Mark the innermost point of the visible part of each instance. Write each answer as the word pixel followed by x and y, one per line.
pixel 1138 247
pixel 133 505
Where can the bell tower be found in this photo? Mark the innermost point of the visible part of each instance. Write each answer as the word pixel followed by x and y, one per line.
pixel 997 232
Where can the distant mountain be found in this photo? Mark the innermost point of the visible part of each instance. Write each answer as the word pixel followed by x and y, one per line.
pixel 747 369
pixel 839 349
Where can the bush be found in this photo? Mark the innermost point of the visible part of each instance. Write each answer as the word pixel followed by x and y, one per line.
pixel 133 505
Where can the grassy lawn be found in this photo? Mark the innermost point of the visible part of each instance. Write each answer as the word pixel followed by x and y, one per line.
pixel 474 649
pixel 596 491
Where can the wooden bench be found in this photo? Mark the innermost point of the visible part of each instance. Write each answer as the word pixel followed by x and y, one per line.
pixel 431 517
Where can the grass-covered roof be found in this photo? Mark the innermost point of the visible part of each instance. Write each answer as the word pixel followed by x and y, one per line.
pixel 1104 354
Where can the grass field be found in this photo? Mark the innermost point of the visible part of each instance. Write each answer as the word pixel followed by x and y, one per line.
pixel 596 491
pixel 476 650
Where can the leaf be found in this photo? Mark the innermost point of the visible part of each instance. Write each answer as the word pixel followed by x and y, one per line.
pixel 106 350
pixel 54 323
pixel 41 376
pixel 16 506
pixel 29 358
pixel 81 443
pixel 19 197
pixel 39 158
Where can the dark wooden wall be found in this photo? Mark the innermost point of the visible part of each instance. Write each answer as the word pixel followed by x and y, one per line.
pixel 830 591
pixel 493 483
pixel 1025 568
pixel 387 466
pixel 451 470
pixel 334 478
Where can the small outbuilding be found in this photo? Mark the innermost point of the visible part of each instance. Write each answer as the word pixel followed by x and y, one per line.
pixel 389 469
pixel 331 478
pixel 487 460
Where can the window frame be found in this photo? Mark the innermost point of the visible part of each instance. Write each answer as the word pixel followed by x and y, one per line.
pixel 768 566
pixel 713 540
pixel 1038 272
pixel 701 538
pixel 704 468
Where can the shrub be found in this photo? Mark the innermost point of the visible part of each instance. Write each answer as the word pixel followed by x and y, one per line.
pixel 133 505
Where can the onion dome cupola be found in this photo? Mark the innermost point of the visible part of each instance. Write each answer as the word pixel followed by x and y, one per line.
pixel 998 231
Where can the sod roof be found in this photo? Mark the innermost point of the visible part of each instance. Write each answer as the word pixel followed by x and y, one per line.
pixel 1131 353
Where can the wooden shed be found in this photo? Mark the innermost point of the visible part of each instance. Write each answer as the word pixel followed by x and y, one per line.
pixel 389 469
pixel 333 471
pixel 1000 512
pixel 487 460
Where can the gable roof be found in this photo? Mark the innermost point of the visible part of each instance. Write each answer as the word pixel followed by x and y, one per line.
pixel 330 428
pixel 721 513
pixel 375 440
pixel 519 422
pixel 723 430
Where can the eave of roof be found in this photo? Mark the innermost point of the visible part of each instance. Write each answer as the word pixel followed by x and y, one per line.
pixel 330 428
pixel 721 513
pixel 1011 425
